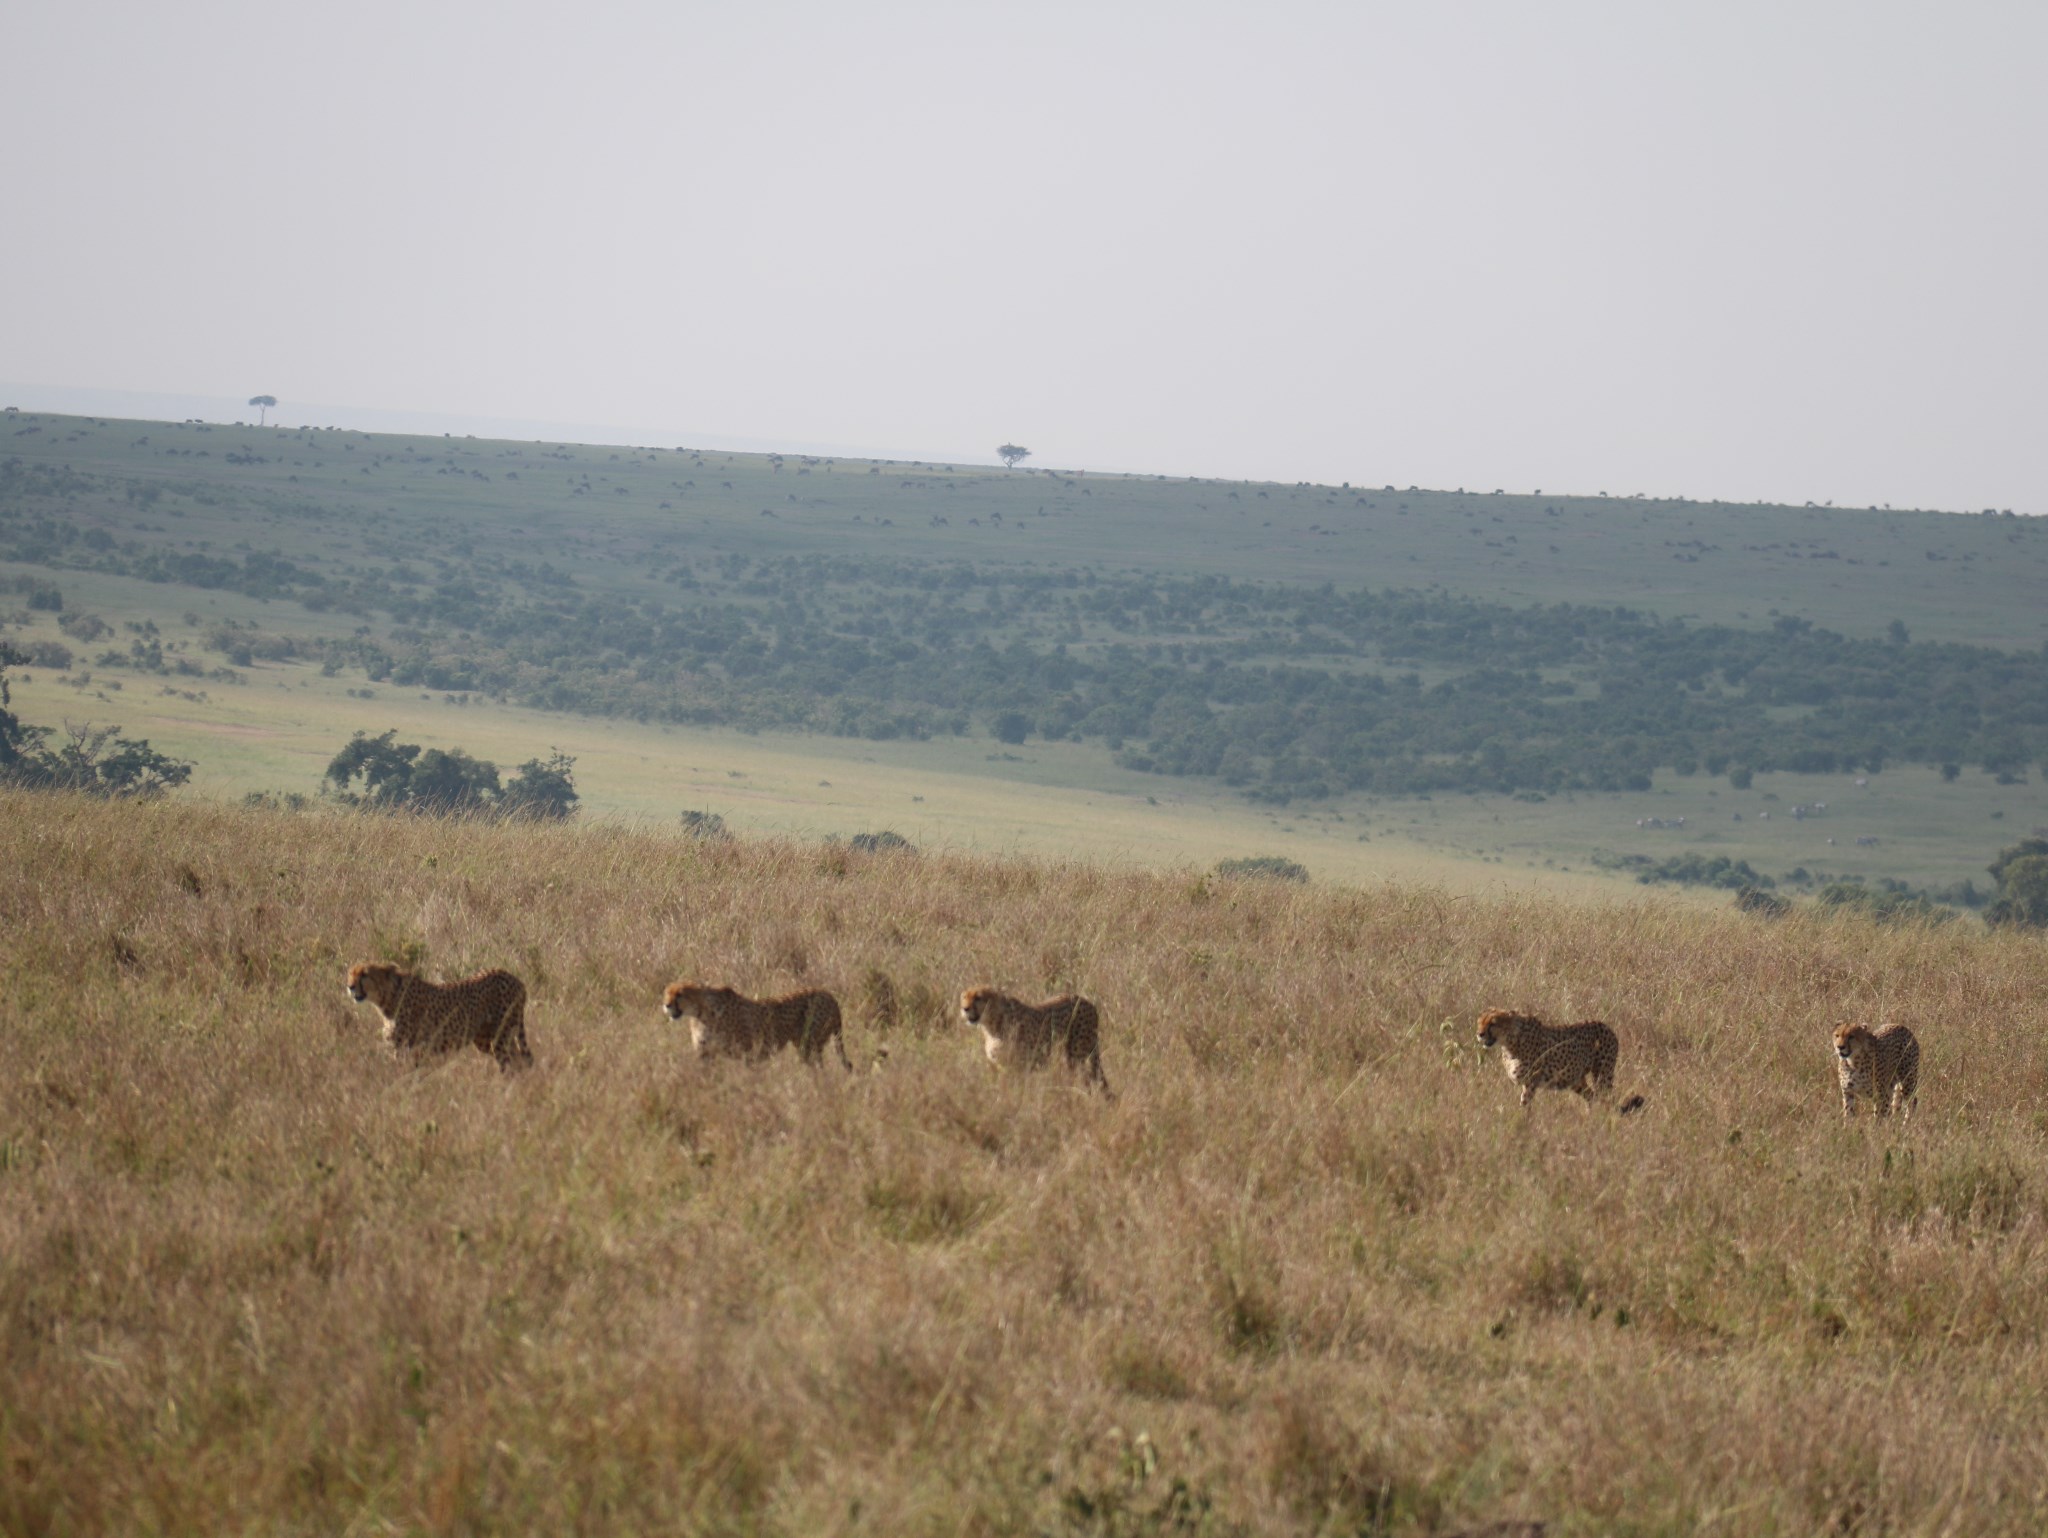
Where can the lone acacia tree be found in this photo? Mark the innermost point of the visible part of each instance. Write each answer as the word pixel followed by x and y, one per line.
pixel 262 403
pixel 1010 453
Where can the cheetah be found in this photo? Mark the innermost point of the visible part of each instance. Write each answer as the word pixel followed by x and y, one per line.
pixel 728 1024
pixel 1022 1035
pixel 487 1011
pixel 1882 1065
pixel 1538 1056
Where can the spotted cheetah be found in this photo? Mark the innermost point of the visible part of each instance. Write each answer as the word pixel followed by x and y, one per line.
pixel 1016 1034
pixel 487 1011
pixel 1881 1065
pixel 1538 1056
pixel 728 1024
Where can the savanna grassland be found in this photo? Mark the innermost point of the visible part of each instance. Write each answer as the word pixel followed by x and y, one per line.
pixel 1310 1272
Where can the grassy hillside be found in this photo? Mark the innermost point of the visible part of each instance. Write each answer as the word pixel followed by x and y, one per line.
pixel 1312 1272
pixel 619 517
pixel 1198 669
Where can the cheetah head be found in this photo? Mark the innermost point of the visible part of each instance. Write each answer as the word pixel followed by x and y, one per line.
pixel 975 1003
pixel 681 1000
pixel 1852 1040
pixel 1499 1024
pixel 374 980
pixel 704 1008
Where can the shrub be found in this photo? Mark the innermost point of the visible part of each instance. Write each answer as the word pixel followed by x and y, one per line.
pixel 1271 867
pixel 2022 876
pixel 1764 904
pixel 882 842
pixel 1011 727
pixel 1889 903
pixel 404 777
pixel 705 825
pixel 543 790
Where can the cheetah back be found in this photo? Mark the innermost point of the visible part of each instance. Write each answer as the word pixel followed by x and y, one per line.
pixel 1537 1056
pixel 1882 1065
pixel 733 1025
pixel 1027 1033
pixel 487 1011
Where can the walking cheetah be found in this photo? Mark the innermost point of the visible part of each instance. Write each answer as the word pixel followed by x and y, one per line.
pixel 1538 1056
pixel 1882 1065
pixel 728 1024
pixel 1022 1035
pixel 487 1011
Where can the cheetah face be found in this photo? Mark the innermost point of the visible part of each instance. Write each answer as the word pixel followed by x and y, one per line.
pixel 973 1004
pixel 684 1002
pixel 707 1006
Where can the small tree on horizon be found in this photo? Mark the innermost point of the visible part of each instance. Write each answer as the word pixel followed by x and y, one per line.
pixel 1010 453
pixel 262 403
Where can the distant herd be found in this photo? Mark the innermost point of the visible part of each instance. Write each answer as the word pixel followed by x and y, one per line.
pixel 488 1012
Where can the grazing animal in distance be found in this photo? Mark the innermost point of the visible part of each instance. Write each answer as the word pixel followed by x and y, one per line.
pixel 1016 1034
pixel 487 1011
pixel 1882 1065
pixel 1579 1058
pixel 728 1024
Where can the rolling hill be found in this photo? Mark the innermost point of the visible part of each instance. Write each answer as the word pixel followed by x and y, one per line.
pixel 1363 678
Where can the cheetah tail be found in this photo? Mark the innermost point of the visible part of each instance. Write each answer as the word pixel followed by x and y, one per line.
pixel 1633 1103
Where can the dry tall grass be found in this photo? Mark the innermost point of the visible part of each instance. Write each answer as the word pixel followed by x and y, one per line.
pixel 1313 1272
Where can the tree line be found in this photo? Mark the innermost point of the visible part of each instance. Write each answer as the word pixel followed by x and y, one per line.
pixel 1281 691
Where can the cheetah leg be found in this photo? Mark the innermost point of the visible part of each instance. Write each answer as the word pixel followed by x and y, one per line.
pixel 1528 1094
pixel 811 1044
pixel 508 1044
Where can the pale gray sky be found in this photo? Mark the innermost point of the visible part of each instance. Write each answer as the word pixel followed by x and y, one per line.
pixel 1778 250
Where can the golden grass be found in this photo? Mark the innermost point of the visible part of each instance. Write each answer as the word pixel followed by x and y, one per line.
pixel 1311 1273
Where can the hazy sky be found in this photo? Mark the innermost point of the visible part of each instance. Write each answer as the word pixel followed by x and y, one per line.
pixel 1778 250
